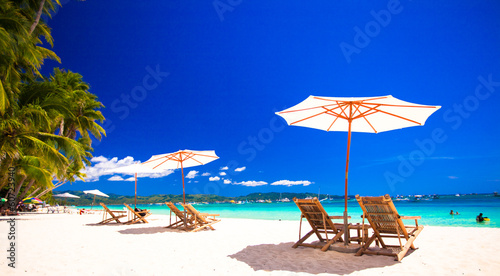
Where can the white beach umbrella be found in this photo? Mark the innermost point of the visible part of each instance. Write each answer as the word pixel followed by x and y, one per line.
pixel 67 195
pixel 95 193
pixel 360 114
pixel 180 159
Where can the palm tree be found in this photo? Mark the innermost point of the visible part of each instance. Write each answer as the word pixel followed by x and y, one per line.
pixel 21 56
pixel 24 135
pixel 45 123
pixel 82 104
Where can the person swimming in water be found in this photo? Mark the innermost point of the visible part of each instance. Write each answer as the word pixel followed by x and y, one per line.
pixel 480 218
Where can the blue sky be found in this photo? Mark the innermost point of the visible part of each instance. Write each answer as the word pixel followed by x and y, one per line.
pixel 209 75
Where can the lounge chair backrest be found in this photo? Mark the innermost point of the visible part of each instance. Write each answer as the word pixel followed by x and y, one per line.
pixel 190 209
pixel 382 214
pixel 105 207
pixel 315 214
pixel 174 209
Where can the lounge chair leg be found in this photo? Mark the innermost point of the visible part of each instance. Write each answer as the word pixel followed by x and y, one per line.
pixel 365 247
pixel 332 241
pixel 299 242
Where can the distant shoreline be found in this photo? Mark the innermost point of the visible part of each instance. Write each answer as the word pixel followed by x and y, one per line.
pixel 115 199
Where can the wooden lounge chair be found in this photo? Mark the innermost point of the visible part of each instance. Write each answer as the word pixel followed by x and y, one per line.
pixel 200 220
pixel 137 216
pixel 115 215
pixel 321 224
pixel 387 223
pixel 179 217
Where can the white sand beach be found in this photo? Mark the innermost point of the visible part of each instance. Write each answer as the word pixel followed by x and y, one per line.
pixel 71 244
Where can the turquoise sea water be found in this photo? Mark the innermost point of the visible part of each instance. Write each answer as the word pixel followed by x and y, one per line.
pixel 434 212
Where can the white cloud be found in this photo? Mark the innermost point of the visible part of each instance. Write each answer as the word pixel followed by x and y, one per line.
pixel 206 174
pixel 214 178
pixel 291 183
pixel 222 173
pixel 104 166
pixel 227 181
pixel 240 169
pixel 251 183
pixel 155 175
pixel 192 174
pixel 224 168
pixel 115 178
pixel 99 159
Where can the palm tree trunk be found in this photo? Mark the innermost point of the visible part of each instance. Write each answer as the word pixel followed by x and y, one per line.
pixel 38 15
pixel 5 175
pixel 19 185
pixel 50 189
pixel 61 127
pixel 25 190
pixel 31 195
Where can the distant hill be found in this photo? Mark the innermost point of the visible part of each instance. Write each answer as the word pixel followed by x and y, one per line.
pixel 115 199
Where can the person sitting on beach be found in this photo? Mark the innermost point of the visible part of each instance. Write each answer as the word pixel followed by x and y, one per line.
pixel 21 207
pixel 480 218
pixel 82 211
pixel 140 211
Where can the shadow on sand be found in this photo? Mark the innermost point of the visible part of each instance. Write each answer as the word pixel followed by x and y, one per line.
pixel 283 257
pixel 148 230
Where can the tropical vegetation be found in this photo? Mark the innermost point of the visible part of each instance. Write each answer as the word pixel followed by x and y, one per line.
pixel 114 199
pixel 47 123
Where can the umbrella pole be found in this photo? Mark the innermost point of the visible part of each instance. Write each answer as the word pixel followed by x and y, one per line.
pixel 92 203
pixel 346 225
pixel 183 191
pixel 183 196
pixel 135 197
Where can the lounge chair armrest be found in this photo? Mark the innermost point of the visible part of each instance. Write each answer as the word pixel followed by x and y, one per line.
pixel 209 215
pixel 416 218
pixel 410 217
pixel 338 217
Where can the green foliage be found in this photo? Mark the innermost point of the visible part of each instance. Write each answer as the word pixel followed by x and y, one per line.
pixel 46 123
pixel 115 199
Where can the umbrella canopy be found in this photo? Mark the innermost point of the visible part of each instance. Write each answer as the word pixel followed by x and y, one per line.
pixel 95 193
pixel 362 114
pixel 359 114
pixel 68 195
pixel 180 159
pixel 33 200
pixel 135 169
